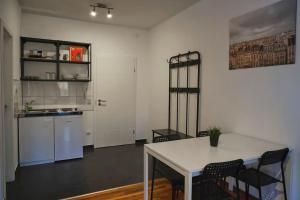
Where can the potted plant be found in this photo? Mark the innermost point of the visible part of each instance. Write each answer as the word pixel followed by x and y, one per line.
pixel 214 134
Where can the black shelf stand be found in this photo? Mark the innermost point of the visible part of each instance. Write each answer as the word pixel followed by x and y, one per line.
pixel 186 60
pixel 57 61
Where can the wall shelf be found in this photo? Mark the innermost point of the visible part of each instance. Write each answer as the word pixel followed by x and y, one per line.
pixel 49 80
pixel 42 80
pixel 62 68
pixel 74 62
pixel 73 80
pixel 38 60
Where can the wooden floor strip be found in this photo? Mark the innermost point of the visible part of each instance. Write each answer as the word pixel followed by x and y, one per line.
pixel 129 192
pixel 162 190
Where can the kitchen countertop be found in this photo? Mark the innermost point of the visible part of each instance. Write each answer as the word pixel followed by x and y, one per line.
pixel 49 112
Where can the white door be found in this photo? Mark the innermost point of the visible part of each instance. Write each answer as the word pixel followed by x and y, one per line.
pixel 6 111
pixel 2 139
pixel 10 139
pixel 115 96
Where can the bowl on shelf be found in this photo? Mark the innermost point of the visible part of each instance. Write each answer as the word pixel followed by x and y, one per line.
pixel 68 77
pixel 32 77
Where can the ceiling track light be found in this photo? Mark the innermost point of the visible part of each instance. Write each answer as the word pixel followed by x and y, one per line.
pixel 109 15
pixel 93 12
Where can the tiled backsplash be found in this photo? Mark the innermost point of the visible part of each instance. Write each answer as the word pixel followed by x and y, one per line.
pixel 46 95
pixel 17 89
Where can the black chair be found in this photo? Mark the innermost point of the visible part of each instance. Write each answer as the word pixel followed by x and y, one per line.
pixel 202 134
pixel 210 185
pixel 259 179
pixel 176 179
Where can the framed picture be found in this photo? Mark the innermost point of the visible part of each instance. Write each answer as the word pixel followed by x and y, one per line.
pixel 265 37
pixel 76 54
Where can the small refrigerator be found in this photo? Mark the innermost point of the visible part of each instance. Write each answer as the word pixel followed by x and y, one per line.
pixel 68 137
pixel 36 140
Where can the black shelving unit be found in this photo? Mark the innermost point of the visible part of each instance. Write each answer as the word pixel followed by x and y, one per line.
pixel 57 61
pixel 187 60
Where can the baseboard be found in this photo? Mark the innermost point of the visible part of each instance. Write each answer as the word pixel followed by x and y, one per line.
pixel 36 163
pixel 141 142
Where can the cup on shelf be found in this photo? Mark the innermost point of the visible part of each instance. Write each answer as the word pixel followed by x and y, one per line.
pixel 40 53
pixel 53 75
pixel 48 75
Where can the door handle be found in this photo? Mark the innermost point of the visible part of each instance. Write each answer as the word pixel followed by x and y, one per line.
pixel 100 102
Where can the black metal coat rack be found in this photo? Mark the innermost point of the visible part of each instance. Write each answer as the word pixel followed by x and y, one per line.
pixel 186 60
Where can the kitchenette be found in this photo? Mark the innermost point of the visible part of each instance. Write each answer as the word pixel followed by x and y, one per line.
pixel 56 95
pixel 50 135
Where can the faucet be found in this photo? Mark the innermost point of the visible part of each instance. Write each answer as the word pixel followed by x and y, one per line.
pixel 28 106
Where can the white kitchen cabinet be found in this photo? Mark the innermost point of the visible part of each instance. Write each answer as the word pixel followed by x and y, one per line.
pixel 36 140
pixel 68 137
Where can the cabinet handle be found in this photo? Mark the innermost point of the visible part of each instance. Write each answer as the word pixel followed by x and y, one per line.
pixel 68 121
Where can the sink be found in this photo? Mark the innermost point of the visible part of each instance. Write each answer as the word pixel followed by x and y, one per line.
pixel 34 111
pixel 50 112
pixel 47 111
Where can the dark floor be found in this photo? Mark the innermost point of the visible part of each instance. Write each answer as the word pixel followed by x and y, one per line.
pixel 101 169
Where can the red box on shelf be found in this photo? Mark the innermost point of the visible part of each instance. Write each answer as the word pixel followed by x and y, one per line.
pixel 76 54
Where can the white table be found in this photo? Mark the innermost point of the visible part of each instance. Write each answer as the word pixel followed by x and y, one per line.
pixel 190 156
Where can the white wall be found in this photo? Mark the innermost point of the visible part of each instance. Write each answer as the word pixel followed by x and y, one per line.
pixel 106 40
pixel 10 14
pixel 261 102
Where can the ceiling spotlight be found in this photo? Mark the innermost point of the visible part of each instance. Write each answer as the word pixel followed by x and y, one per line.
pixel 109 14
pixel 93 12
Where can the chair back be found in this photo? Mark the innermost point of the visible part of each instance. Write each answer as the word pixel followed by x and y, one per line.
pixel 222 169
pixel 272 157
pixel 202 134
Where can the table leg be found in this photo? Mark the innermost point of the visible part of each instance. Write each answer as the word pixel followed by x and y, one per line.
pixel 145 175
pixel 188 187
